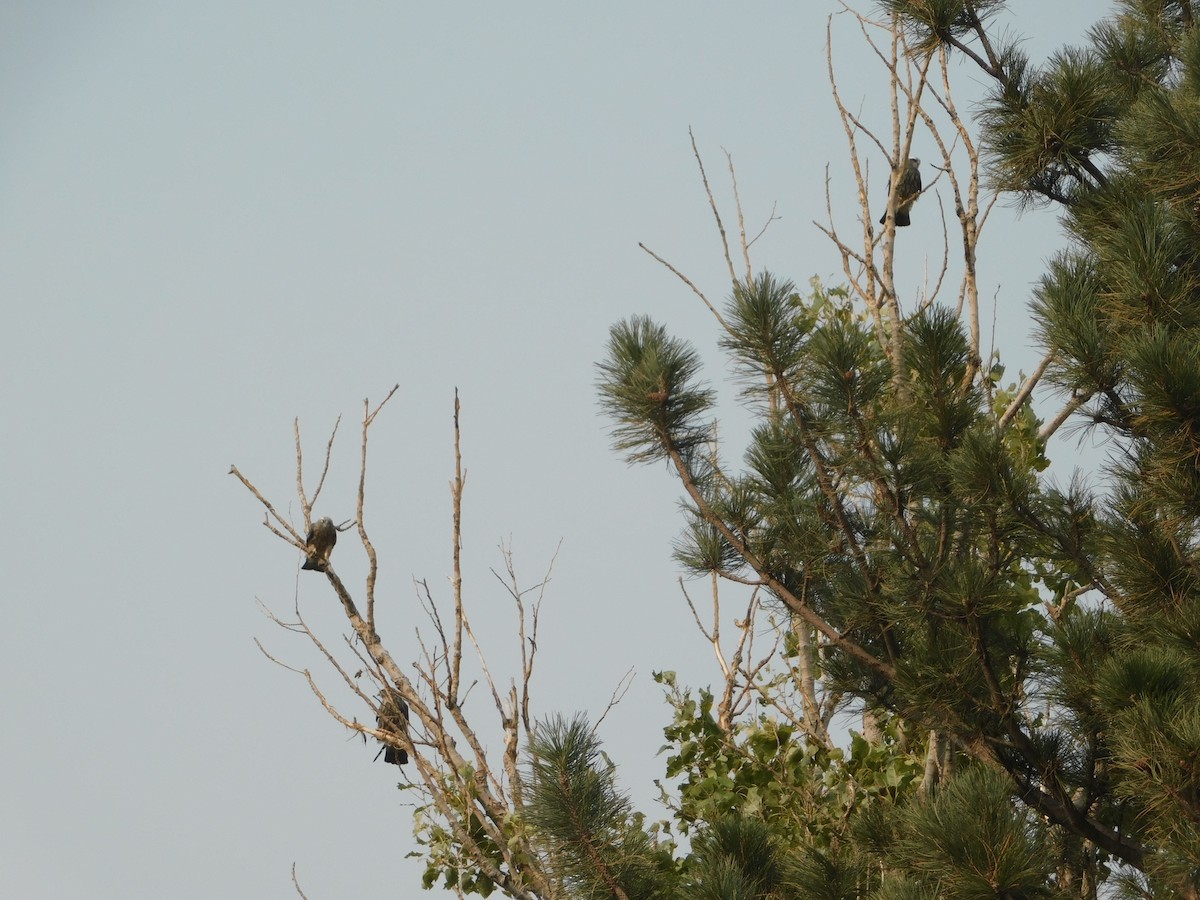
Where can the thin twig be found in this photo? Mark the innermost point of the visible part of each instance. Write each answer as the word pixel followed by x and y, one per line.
pixel 291 537
pixel 456 579
pixel 713 203
pixel 372 560
pixel 737 205
pixel 296 882
pixel 699 293
pixel 616 697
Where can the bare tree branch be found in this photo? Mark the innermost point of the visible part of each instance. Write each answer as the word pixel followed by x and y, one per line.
pixel 296 882
pixel 475 798
pixel 713 203
pixel 1026 391
pixel 689 283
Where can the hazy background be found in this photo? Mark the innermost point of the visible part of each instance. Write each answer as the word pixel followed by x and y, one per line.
pixel 217 217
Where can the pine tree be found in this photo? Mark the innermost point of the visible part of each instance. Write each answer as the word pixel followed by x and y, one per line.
pixel 594 844
pixel 1025 656
pixel 893 505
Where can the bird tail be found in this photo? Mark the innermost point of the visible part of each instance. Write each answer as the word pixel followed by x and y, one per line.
pixel 314 564
pixel 902 219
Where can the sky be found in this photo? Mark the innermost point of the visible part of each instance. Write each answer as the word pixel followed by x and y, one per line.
pixel 217 218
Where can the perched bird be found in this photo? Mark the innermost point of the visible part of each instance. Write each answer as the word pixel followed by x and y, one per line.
pixel 319 541
pixel 907 192
pixel 393 718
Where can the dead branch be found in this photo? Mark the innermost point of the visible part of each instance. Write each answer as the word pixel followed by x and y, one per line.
pixel 296 882
pixel 737 204
pixel 1054 424
pixel 734 701
pixel 689 283
pixel 292 537
pixel 474 797
pixel 372 560
pixel 616 697
pixel 307 503
pixel 708 635
pixel 456 580
pixel 713 204
pixel 1026 390
pixel 852 126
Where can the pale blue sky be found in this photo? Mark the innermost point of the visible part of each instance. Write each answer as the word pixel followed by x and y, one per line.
pixel 215 217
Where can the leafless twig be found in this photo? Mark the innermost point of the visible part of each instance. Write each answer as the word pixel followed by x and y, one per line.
pixel 473 796
pixel 296 882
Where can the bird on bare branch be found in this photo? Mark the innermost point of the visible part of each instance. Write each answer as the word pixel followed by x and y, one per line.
pixel 319 541
pixel 393 719
pixel 907 192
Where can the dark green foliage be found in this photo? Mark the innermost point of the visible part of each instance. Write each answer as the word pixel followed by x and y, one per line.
pixel 648 386
pixel 1033 652
pixel 931 22
pixel 595 845
pixel 735 857
pixel 1069 315
pixel 1083 641
pixel 776 814
pixel 1160 134
pixel 971 842
pixel 764 326
pixel 1046 128
pixel 1051 635
pixel 1130 53
pixel 770 771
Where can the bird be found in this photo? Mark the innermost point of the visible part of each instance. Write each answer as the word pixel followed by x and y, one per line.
pixel 318 544
pixel 393 718
pixel 907 192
